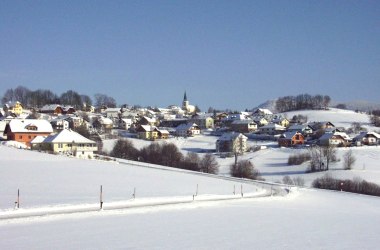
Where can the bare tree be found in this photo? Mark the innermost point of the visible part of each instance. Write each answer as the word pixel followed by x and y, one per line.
pixel 348 160
pixel 299 181
pixel 329 153
pixel 321 157
pixel 191 162
pixel 71 97
pixel 101 99
pixel 208 164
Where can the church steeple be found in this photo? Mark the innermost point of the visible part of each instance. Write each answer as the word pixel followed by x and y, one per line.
pixel 185 102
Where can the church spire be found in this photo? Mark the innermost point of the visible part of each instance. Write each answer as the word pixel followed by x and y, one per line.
pixel 184 97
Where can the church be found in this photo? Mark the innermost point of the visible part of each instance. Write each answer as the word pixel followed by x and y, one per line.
pixel 189 109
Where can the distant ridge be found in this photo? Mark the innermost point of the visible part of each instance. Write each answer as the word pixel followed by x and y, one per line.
pixel 360 105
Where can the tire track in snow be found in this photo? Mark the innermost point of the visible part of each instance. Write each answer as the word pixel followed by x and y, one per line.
pixel 121 205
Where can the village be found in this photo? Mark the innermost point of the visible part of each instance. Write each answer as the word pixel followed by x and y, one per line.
pixel 54 128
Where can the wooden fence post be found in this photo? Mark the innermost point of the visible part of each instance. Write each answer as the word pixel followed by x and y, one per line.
pixel 101 196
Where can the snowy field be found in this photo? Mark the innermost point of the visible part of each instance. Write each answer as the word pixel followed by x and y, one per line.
pixel 304 219
pixel 59 204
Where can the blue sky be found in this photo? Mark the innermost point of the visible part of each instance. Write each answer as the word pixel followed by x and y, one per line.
pixel 225 54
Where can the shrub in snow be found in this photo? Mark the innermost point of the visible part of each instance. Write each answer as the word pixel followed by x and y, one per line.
pixel 287 180
pixel 245 169
pixel 348 160
pixel 298 159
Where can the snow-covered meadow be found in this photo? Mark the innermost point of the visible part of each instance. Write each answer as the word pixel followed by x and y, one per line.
pixel 175 209
pixel 304 219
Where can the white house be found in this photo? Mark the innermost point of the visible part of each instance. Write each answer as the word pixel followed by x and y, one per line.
pixel 272 129
pixel 232 142
pixel 125 123
pixel 189 129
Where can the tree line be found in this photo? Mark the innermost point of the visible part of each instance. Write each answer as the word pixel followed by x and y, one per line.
pixel 303 101
pixel 375 117
pixel 40 97
pixel 166 154
pixel 355 186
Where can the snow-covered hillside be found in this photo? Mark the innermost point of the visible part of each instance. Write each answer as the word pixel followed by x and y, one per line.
pixel 304 219
pixel 339 117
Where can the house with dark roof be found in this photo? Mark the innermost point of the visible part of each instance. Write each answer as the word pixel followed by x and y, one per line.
pixel 243 126
pixel 367 138
pixel 232 142
pixel 334 139
pixel 305 129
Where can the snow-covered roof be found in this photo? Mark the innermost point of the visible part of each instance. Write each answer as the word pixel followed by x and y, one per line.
pixel 289 134
pixel 364 134
pixel 202 116
pixel 263 111
pixel 11 104
pixel 243 122
pixel 67 136
pixel 127 120
pixel 38 139
pixel 112 110
pixel 273 126
pixel 186 126
pixel 148 128
pixel 279 119
pixel 231 136
pixel 328 136
pixel 106 121
pixel 344 135
pixel 299 127
pixel 21 126
pixel 150 120
pixel 163 131
pixel 50 107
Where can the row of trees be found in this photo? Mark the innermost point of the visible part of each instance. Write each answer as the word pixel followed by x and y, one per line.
pixel 375 118
pixel 166 154
pixel 41 97
pixel 303 101
pixel 355 186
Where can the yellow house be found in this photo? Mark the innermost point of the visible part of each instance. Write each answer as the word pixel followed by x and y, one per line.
pixel 282 121
pixel 147 132
pixel 13 107
pixel 66 142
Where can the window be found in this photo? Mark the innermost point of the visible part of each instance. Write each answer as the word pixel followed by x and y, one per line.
pixel 20 136
pixel 60 145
